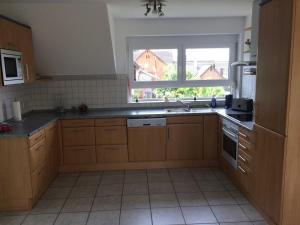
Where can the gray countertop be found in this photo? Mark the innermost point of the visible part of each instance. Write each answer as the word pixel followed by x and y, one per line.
pixel 37 120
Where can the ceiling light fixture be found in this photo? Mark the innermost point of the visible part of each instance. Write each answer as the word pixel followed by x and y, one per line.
pixel 154 6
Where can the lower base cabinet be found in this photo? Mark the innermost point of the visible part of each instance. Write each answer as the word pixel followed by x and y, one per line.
pixel 79 155
pixel 112 154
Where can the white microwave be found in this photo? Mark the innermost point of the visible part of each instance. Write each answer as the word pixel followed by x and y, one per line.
pixel 11 67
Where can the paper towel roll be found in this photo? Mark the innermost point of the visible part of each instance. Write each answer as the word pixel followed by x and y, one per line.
pixel 17 110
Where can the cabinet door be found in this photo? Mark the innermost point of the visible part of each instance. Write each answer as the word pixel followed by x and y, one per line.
pixel 52 149
pixel 268 169
pixel 9 34
pixel 211 138
pixel 185 141
pixel 273 64
pixel 26 47
pixel 147 144
pixel 79 136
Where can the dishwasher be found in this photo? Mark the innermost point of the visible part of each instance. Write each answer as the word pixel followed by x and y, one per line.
pixel 146 139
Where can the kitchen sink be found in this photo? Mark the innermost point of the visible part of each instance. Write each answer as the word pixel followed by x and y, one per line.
pixel 178 110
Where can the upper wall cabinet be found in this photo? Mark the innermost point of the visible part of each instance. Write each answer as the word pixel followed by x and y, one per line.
pixel 14 36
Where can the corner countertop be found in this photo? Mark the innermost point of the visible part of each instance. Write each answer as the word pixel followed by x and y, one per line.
pixel 37 120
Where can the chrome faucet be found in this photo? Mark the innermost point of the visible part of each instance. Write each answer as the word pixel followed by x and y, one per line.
pixel 187 105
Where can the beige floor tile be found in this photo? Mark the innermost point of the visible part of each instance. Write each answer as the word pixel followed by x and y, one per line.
pixel 158 177
pixel 219 198
pixel 57 193
pixel 251 212
pixel 167 216
pixel 239 197
pixel 163 200
pixel 211 185
pixel 48 206
pixel 88 181
pixel 136 178
pixel 135 189
pixel 78 205
pixel 104 218
pixel 229 213
pixel 135 217
pixel 186 187
pixel 201 214
pixel 11 220
pixel 72 219
pixel 64 181
pixel 238 223
pixel 161 188
pixel 135 202
pixel 260 223
pixel 112 179
pixel 83 192
pixel 107 203
pixel 42 219
pixel 191 199
pixel 110 189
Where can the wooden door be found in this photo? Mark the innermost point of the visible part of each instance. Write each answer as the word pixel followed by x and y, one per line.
pixel 268 172
pixel 147 144
pixel 211 137
pixel 185 142
pixel 273 65
pixel 52 149
pixel 26 47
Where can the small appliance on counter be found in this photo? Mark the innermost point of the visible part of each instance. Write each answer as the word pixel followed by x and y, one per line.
pixel 228 101
pixel 17 113
pixel 242 104
pixel 83 108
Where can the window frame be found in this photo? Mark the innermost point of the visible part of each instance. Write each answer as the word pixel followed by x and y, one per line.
pixel 181 43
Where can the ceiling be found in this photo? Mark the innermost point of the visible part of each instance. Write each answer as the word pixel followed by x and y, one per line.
pixel 174 8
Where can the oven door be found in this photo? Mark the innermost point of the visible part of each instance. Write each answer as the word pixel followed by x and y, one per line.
pixel 12 70
pixel 229 147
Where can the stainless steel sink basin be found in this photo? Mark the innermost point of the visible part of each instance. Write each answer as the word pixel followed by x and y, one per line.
pixel 178 110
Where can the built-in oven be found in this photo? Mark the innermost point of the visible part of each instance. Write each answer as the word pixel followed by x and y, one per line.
pixel 11 67
pixel 230 142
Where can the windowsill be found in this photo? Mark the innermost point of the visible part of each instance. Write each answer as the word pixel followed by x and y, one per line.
pixel 175 103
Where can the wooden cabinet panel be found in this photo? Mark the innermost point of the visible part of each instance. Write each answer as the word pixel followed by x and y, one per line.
pixel 147 144
pixel 79 136
pixel 112 153
pixel 211 137
pixel 26 47
pixel 9 35
pixel 78 123
pixel 39 181
pixel 110 122
pixel 184 119
pixel 185 141
pixel 273 65
pixel 52 146
pixel 79 155
pixel 113 135
pixel 37 137
pixel 38 155
pixel 268 169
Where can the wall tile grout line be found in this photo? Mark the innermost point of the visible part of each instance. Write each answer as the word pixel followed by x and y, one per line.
pixel 149 198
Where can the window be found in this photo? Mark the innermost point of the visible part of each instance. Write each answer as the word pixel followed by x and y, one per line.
pixel 181 67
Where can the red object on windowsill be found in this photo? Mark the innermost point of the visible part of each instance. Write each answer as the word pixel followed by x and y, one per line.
pixel 4 128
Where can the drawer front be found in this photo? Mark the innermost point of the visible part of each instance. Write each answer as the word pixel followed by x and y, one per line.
pixel 112 153
pixel 247 135
pixel 244 158
pixel 184 119
pixel 115 135
pixel 37 137
pixel 79 155
pixel 78 123
pixel 79 136
pixel 38 155
pixel 246 146
pixel 110 122
pixel 244 176
pixel 39 181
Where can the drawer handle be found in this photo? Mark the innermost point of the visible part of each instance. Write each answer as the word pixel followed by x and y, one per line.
pixel 110 129
pixel 243 135
pixel 242 170
pixel 242 146
pixel 243 159
pixel 39 148
pixel 79 149
pixel 111 148
pixel 77 130
pixel 38 137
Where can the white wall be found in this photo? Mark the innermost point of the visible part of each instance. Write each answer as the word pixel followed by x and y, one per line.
pixel 69 38
pixel 146 27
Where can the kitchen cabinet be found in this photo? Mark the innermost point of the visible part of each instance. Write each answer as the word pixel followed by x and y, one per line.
pixel 185 139
pixel 79 155
pixel 268 169
pixel 79 136
pixel 273 65
pixel 147 144
pixel 111 135
pixel 18 37
pixel 211 137
pixel 52 145
pixel 112 153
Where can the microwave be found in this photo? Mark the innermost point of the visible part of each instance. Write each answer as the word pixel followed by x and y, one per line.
pixel 11 67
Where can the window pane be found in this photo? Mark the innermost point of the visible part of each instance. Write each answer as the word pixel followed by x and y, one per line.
pixel 207 63
pixel 155 64
pixel 181 93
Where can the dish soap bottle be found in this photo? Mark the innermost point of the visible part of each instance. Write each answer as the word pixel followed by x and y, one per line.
pixel 213 102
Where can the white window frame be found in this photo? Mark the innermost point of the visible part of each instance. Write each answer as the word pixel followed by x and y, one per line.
pixel 181 43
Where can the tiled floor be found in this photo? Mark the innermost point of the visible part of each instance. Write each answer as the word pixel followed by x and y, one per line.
pixel 153 197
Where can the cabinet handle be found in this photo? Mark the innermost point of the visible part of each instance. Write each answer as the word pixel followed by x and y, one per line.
pixel 27 73
pixel 242 170
pixel 40 148
pixel 243 135
pixel 79 149
pixel 77 130
pixel 110 129
pixel 242 146
pixel 243 159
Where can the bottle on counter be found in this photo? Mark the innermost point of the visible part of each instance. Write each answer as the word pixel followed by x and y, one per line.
pixel 213 102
